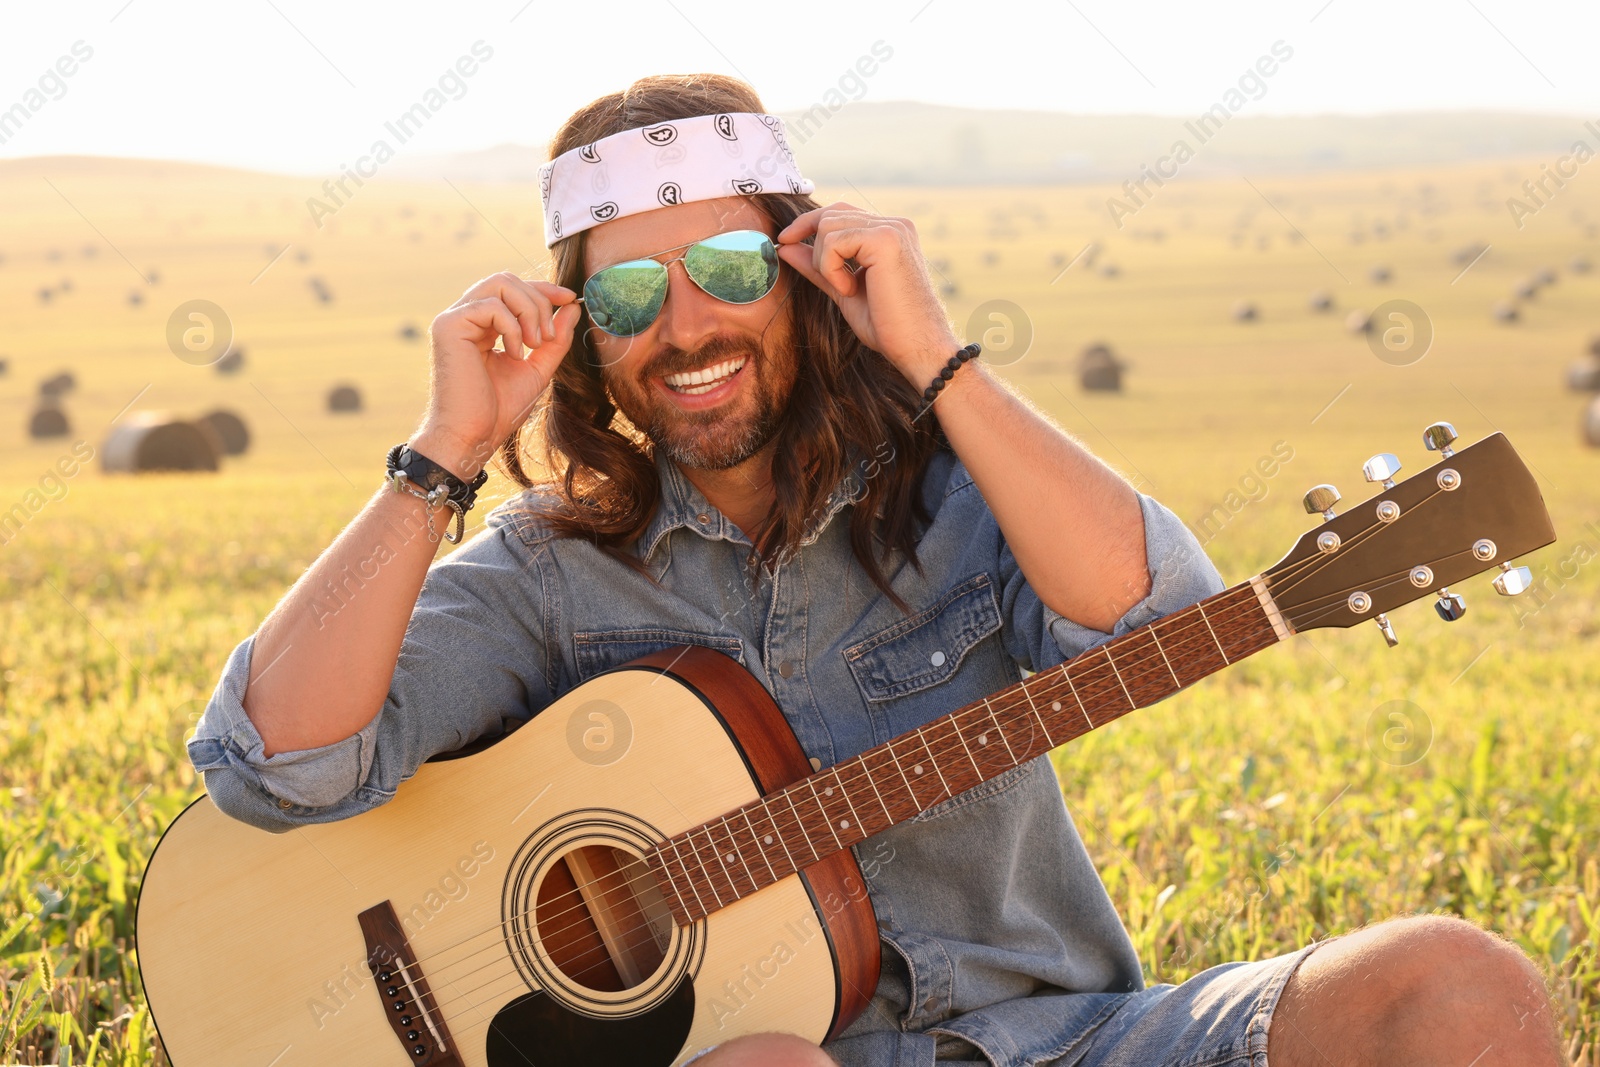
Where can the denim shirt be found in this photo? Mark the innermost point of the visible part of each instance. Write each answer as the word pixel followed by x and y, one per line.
pixel 999 941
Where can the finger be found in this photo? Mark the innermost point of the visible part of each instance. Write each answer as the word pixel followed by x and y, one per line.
pixel 492 316
pixel 800 258
pixel 834 248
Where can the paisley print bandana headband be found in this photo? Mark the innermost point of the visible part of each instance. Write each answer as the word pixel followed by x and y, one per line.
pixel 738 153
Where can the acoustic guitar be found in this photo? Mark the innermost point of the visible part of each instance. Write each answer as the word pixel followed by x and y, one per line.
pixel 541 901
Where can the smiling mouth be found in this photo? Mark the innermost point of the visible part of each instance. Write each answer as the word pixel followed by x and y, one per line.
pixel 695 382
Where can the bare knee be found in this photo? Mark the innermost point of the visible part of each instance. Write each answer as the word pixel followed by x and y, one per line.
pixel 766 1050
pixel 1424 981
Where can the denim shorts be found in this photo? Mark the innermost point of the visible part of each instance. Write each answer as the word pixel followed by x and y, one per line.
pixel 1218 1018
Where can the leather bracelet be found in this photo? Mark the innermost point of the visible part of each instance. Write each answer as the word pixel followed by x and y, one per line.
pixel 406 467
pixel 954 364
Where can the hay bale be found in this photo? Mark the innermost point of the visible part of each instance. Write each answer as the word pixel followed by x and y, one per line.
pixel 991 258
pixel 344 398
pixel 66 285
pixel 1099 370
pixel 949 289
pixel 231 361
pixel 1109 270
pixel 1544 276
pixel 1594 346
pixel 1584 376
pixel 1591 423
pixel 409 332
pixel 1320 300
pixel 1379 275
pixel 1580 265
pixel 5 367
pixel 1505 311
pixel 48 421
pixel 1245 311
pixel 1358 321
pixel 319 289
pixel 1467 253
pixel 146 441
pixel 152 276
pixel 1527 290
pixel 58 385
pixel 135 298
pixel 44 295
pixel 233 436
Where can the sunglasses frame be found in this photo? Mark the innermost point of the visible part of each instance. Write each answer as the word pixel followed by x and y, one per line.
pixel 665 263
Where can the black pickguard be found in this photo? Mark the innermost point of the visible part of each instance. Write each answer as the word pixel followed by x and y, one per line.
pixel 534 1029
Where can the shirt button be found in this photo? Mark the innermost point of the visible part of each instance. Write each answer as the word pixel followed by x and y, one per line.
pixel 937 659
pixel 786 668
pixel 285 803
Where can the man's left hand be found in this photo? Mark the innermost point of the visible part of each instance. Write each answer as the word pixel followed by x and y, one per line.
pixel 888 300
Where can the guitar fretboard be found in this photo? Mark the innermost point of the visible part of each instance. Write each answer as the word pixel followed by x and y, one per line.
pixel 714 864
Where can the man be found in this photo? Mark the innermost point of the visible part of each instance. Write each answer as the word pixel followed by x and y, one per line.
pixel 785 483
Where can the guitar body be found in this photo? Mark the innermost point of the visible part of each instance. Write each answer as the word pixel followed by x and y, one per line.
pixel 519 918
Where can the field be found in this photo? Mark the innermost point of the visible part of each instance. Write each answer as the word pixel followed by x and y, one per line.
pixel 1267 806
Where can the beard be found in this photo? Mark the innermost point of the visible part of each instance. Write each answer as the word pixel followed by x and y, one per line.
pixel 720 438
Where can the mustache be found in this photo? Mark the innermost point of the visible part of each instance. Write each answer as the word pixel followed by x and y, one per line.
pixel 677 360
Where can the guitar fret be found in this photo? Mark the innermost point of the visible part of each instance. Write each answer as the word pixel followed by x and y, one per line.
pixel 934 763
pixel 1164 658
pixel 688 876
pixel 856 819
pixel 1001 731
pixel 800 824
pixel 897 766
pixel 886 812
pixel 1131 702
pixel 1085 711
pixel 1201 608
pixel 778 834
pixel 737 851
pixel 701 862
pixel 756 839
pixel 1035 708
pixel 672 883
pixel 826 818
pixel 955 725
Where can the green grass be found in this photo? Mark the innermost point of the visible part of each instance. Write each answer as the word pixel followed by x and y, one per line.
pixel 1263 808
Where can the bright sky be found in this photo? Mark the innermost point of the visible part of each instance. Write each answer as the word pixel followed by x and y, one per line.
pixel 302 86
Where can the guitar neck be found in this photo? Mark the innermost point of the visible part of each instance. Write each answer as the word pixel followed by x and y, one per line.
pixel 714 864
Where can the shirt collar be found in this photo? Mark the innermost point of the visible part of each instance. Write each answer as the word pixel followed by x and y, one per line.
pixel 684 505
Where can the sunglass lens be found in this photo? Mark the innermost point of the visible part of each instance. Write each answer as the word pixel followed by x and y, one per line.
pixel 740 266
pixel 626 298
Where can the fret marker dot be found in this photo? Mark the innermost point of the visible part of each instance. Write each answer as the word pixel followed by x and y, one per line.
pixel 828 791
pixel 917 769
pixel 767 840
pixel 1055 705
pixel 844 824
pixel 937 659
pixel 728 858
pixel 983 739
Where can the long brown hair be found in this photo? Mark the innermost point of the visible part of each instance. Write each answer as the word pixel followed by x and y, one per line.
pixel 847 401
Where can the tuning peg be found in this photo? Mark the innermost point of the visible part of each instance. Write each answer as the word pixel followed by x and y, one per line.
pixel 1512 580
pixel 1381 468
pixel 1388 630
pixel 1450 606
pixel 1439 437
pixel 1320 498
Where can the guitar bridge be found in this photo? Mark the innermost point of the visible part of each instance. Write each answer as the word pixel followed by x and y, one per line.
pixel 407 1002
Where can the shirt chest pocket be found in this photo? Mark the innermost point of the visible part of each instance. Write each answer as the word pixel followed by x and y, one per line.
pixel 595 651
pixel 925 649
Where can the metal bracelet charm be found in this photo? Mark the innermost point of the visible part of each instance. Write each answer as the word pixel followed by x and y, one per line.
pixel 438 496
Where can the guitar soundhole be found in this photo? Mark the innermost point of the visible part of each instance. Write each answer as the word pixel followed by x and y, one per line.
pixel 601 920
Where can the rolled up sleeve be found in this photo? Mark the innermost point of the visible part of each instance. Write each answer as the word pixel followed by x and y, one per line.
pixel 474 661
pixel 1180 574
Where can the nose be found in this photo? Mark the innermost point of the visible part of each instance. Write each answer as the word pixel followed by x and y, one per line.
pixel 690 316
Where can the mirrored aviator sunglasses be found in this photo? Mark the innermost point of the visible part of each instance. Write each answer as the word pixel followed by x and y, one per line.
pixel 739 267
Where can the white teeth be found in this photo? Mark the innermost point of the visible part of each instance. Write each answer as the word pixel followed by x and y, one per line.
pixel 707 376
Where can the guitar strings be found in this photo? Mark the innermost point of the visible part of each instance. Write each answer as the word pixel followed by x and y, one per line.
pixel 941 749
pixel 1304 567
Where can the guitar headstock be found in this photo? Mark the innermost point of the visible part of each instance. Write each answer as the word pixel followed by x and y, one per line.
pixel 1475 510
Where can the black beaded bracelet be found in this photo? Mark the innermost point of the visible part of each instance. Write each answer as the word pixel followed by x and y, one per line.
pixel 950 368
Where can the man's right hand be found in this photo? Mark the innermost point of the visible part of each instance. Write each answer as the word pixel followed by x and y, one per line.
pixel 479 394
